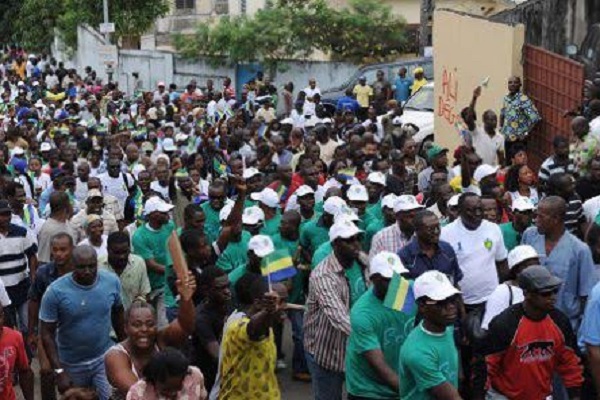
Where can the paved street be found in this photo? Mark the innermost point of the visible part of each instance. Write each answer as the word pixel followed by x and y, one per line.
pixel 290 390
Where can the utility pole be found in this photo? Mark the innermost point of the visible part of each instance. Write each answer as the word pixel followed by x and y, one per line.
pixel 425 31
pixel 109 67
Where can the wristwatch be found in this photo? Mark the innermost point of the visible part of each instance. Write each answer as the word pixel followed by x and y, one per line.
pixel 58 371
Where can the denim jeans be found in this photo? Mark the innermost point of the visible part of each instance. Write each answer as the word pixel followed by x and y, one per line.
pixel 157 299
pixel 326 384
pixel 298 358
pixel 90 374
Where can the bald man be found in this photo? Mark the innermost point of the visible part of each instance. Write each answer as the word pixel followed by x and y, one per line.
pixel 564 255
pixel 77 313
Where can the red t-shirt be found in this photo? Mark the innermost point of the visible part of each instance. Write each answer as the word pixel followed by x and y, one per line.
pixel 12 358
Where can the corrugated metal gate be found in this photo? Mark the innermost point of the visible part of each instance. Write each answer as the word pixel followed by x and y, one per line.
pixel 555 84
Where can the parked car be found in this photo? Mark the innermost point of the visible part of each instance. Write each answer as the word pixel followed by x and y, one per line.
pixel 331 96
pixel 419 111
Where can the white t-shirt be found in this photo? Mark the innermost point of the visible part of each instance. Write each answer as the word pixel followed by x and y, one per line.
pixel 100 250
pixel 117 186
pixel 591 208
pixel 499 301
pixel 487 147
pixel 42 181
pixel 477 252
pixel 595 128
pixel 310 92
pixel 4 299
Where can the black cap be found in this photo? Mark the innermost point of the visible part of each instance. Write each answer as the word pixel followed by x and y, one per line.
pixel 538 279
pixel 4 206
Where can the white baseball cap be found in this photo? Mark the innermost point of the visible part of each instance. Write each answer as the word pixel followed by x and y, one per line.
pixel 376 177
pixel 45 146
pixel 180 137
pixel 484 170
pixel 261 245
pixel 389 201
pixel 304 190
pixel 253 215
pixel 267 196
pixel 94 193
pixel 521 253
pixel 168 145
pixel 326 121
pixel 310 123
pixel 522 204
pixel 434 285
pixel 333 204
pixel 406 202
pixel 343 229
pixel 17 151
pixel 287 121
pixel 357 193
pixel 250 172
pixel 386 264
pixel 226 210
pixel 161 83
pixel 345 213
pixel 156 204
pixel 453 202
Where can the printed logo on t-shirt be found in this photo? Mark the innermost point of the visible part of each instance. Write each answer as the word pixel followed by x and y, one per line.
pixel 7 354
pixel 538 351
pixel 488 244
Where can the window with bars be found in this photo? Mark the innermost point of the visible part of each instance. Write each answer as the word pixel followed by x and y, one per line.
pixel 243 6
pixel 184 4
pixel 222 7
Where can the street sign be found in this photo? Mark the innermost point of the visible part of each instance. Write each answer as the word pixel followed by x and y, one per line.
pixel 108 54
pixel 107 27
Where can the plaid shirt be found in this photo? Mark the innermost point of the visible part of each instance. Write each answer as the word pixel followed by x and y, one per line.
pixel 390 239
pixel 327 319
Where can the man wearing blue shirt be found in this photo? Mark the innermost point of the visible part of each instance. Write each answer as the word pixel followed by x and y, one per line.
pixel 348 102
pixel 425 252
pixel 77 313
pixel 567 257
pixel 402 86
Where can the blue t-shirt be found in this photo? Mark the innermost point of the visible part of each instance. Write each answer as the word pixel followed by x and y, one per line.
pixel 402 91
pixel 82 314
pixel 347 103
pixel 589 333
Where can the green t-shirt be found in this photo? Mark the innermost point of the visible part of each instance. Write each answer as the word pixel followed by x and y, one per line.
pixel 212 225
pixel 235 254
pixel 510 235
pixel 354 275
pixel 296 295
pixel 151 244
pixel 236 274
pixel 375 226
pixel 373 213
pixel 427 360
pixel 374 327
pixel 271 226
pixel 313 234
pixel 249 203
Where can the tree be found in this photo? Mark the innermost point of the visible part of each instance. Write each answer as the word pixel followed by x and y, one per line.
pixel 366 31
pixel 37 19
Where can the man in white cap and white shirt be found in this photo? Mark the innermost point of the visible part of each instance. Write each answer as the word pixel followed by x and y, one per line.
pixel 327 319
pixel 429 363
pixel 509 292
pixel 371 356
pixel 268 202
pixel 150 243
pixel 396 236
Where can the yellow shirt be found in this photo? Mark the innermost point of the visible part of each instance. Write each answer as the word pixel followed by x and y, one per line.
pixel 418 84
pixel 247 369
pixel 362 94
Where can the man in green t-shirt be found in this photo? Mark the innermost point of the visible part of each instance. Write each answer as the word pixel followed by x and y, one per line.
pixel 150 243
pixel 316 232
pixel 216 201
pixel 428 358
pixel 377 335
pixel 387 218
pixel 512 232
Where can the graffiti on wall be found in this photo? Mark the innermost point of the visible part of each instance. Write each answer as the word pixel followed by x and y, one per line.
pixel 449 97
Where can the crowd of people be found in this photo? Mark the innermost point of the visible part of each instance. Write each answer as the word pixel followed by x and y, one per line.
pixel 396 274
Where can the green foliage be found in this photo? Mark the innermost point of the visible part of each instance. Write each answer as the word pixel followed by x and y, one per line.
pixel 37 19
pixel 366 31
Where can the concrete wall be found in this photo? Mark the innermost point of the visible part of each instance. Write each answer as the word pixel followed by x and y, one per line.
pixel 466 51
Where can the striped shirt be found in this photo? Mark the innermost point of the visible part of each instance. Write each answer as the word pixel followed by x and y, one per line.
pixel 574 216
pixel 550 167
pixel 15 248
pixel 327 319
pixel 390 239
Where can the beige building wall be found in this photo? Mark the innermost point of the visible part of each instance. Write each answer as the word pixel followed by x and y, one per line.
pixel 468 50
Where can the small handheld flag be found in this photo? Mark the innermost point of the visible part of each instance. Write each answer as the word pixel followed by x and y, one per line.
pixel 278 266
pixel 346 174
pixel 218 167
pixel 400 296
